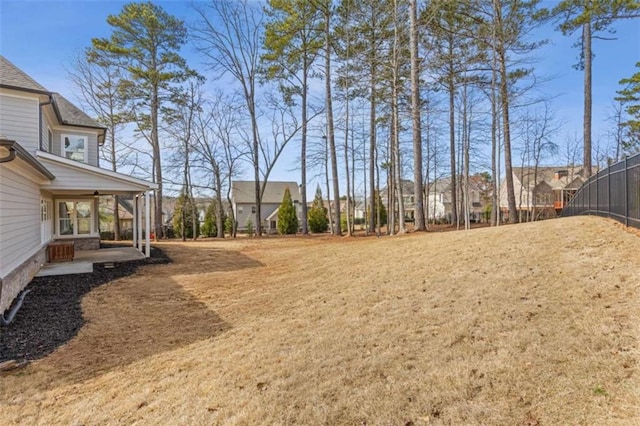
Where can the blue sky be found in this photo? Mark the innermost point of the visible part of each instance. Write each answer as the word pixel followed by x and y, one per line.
pixel 40 37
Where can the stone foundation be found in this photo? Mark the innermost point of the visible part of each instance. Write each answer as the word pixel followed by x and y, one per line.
pixel 90 243
pixel 16 281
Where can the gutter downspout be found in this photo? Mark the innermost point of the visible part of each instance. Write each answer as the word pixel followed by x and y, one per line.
pixel 5 321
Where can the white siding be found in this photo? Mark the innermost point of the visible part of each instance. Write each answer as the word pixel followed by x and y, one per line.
pixel 19 216
pixel 72 179
pixel 20 121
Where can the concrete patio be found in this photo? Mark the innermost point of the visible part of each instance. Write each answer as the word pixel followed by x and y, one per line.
pixel 84 259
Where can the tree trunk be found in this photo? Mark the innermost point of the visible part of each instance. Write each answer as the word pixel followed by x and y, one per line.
pixel 303 148
pixel 372 152
pixel 219 208
pixel 326 176
pixel 586 41
pixel 155 143
pixel 504 102
pixel 116 219
pixel 452 151
pixel 346 162
pixel 330 130
pixel 504 95
pixel 419 216
pixel 395 125
pixel 465 156
pixel 495 203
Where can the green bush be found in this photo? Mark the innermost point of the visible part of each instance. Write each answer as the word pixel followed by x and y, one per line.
pixel 209 228
pixel 184 211
pixel 317 216
pixel 228 225
pixel 287 217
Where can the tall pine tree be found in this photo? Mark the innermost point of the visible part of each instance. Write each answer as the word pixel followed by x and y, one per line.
pixel 145 42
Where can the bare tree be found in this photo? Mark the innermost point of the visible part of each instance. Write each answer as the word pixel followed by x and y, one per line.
pixel 218 152
pixel 229 34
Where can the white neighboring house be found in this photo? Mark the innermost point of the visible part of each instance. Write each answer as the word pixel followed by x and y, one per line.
pixel 244 203
pixel 50 180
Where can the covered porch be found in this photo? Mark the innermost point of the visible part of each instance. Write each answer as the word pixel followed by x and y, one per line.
pixel 84 260
pixel 70 205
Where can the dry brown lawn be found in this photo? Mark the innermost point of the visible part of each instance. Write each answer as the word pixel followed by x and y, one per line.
pixel 535 324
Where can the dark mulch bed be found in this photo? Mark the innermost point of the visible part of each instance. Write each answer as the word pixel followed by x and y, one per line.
pixel 51 314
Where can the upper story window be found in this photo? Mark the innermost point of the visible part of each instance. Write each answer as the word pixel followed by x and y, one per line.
pixel 74 147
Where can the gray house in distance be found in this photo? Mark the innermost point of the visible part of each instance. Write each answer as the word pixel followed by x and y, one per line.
pixel 244 203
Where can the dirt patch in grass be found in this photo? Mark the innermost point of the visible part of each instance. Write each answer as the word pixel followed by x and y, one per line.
pixel 528 324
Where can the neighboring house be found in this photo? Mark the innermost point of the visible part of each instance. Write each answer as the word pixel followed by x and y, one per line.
pixel 360 209
pixel 407 196
pixel 243 198
pixel 440 198
pixel 541 192
pixel 50 179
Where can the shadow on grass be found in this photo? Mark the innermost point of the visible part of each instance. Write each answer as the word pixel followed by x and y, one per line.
pixel 125 321
pixel 198 260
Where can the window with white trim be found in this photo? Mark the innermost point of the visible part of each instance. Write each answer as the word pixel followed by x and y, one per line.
pixel 46 222
pixel 44 211
pixel 75 218
pixel 74 147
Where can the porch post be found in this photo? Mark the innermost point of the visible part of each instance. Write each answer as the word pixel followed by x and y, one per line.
pixel 147 218
pixel 140 224
pixel 135 221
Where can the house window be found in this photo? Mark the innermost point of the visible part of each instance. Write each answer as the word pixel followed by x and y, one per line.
pixel 74 147
pixel 75 218
pixel 240 210
pixel 253 209
pixel 45 220
pixel 44 211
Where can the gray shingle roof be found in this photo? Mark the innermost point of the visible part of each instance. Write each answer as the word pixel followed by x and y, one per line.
pixel 547 174
pixel 12 76
pixel 71 115
pixel 244 192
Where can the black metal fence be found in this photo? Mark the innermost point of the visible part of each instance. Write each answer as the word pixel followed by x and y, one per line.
pixel 614 192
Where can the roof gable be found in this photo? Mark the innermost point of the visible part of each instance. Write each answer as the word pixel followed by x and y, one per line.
pixel 243 192
pixel 13 77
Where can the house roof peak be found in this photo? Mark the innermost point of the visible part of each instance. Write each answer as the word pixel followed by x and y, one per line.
pixel 13 77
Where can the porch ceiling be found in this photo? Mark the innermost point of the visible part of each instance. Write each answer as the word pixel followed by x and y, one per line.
pixel 79 179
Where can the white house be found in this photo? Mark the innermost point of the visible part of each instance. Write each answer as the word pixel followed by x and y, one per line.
pixel 50 179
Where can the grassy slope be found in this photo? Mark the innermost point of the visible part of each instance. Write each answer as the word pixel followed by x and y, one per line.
pixel 529 324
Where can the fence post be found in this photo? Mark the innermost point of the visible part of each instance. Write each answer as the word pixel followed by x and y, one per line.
pixel 626 193
pixel 608 190
pixel 588 195
pixel 597 196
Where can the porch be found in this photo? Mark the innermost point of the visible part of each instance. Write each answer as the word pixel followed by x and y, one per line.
pixel 83 261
